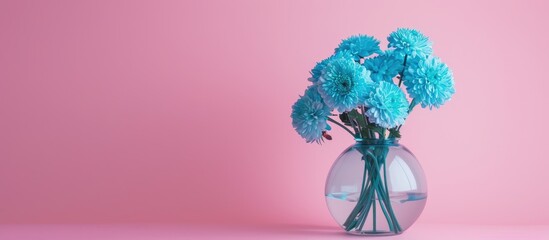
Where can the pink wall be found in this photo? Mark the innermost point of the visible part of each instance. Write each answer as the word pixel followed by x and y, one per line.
pixel 178 111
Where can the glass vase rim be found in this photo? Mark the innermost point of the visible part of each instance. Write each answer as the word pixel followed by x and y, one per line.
pixel 377 141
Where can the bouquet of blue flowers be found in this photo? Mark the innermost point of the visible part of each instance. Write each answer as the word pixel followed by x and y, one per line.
pixel 369 93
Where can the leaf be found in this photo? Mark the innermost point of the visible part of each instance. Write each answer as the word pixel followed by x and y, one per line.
pixel 359 118
pixel 394 132
pixel 345 119
pixel 326 135
pixel 376 128
pixel 364 132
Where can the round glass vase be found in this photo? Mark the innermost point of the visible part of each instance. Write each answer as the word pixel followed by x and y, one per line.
pixel 376 187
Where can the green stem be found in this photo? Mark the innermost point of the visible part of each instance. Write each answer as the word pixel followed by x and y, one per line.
pixel 384 201
pixel 413 104
pixel 403 69
pixel 351 221
pixel 366 167
pixel 369 198
pixel 364 183
pixel 372 185
pixel 355 127
pixel 410 108
pixel 374 212
pixel 362 207
pixel 385 180
pixel 387 197
pixel 384 210
pixel 342 126
pixel 366 121
pixel 374 194
pixel 382 134
pixel 383 156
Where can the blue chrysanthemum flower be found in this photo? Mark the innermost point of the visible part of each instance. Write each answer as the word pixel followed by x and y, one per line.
pixel 430 82
pixel 309 115
pixel 384 67
pixel 387 105
pixel 343 84
pixel 360 46
pixel 317 70
pixel 410 42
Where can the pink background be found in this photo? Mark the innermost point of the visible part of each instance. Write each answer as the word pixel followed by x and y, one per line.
pixel 178 111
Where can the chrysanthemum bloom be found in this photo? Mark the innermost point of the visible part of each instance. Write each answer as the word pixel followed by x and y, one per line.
pixel 410 42
pixel 317 70
pixel 430 82
pixel 342 84
pixel 360 46
pixel 309 115
pixel 387 105
pixel 384 67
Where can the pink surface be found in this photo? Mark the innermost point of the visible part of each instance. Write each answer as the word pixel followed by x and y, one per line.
pixel 178 111
pixel 282 232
